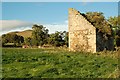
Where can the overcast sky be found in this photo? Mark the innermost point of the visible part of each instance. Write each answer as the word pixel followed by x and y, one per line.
pixel 17 16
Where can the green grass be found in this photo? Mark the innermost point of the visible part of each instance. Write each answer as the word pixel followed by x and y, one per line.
pixel 56 63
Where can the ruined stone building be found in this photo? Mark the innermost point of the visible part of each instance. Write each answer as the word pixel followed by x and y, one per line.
pixel 83 35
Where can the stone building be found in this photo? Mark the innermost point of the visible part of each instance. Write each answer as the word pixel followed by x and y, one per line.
pixel 83 35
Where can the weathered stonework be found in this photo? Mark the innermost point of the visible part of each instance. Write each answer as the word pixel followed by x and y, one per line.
pixel 82 34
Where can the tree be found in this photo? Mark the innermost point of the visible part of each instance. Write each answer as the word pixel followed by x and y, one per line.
pixel 113 21
pixel 28 41
pixel 58 39
pixel 118 38
pixel 20 39
pixel 12 38
pixel 39 35
pixel 98 20
pixel 4 39
pixel 66 38
pixel 116 28
pixel 54 39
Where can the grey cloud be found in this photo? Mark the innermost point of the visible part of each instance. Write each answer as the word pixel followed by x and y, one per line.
pixel 8 25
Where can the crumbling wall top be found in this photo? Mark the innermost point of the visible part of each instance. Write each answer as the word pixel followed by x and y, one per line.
pixel 72 10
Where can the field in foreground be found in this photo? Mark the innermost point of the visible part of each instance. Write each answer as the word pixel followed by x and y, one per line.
pixel 57 63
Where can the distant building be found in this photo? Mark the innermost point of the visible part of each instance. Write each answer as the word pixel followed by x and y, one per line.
pixel 25 46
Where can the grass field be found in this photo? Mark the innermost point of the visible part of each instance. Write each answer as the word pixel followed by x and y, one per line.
pixel 57 63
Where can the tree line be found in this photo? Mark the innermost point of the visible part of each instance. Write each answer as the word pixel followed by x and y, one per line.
pixel 40 36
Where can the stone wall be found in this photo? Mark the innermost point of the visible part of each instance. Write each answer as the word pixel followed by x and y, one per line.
pixel 82 35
